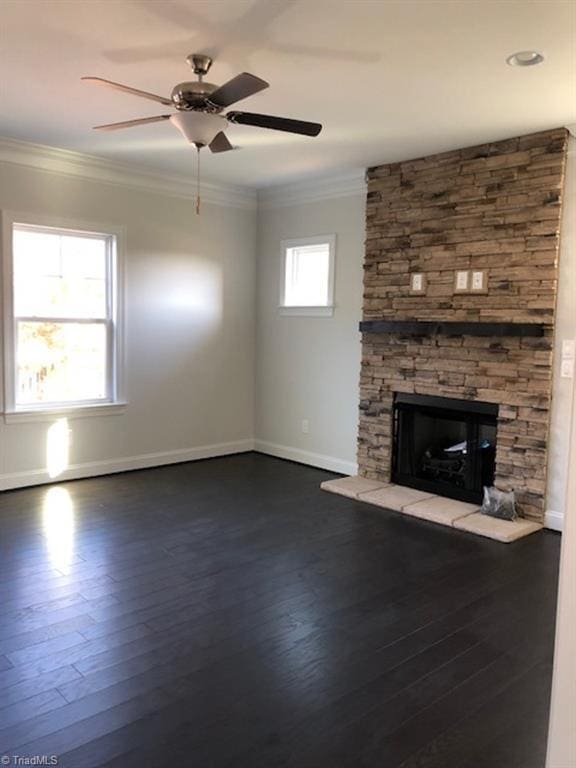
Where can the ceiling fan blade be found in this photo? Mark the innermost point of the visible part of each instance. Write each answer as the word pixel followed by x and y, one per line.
pixel 220 143
pixel 128 89
pixel 130 123
pixel 240 87
pixel 275 123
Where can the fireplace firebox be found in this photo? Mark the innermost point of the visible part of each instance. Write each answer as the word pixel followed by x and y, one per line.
pixel 444 446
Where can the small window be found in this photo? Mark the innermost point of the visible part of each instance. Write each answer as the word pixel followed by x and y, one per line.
pixel 61 346
pixel 308 276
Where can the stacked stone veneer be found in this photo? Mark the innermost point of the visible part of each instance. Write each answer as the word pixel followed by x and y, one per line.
pixel 495 207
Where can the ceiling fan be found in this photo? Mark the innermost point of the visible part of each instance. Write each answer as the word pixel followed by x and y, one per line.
pixel 199 106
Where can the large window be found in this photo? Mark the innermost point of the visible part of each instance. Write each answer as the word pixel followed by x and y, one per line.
pixel 307 284
pixel 61 335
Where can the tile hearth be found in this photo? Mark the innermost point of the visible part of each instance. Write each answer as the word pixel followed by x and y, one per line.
pixel 395 497
pixel 426 506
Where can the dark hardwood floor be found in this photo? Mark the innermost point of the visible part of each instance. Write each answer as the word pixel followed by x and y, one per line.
pixel 229 613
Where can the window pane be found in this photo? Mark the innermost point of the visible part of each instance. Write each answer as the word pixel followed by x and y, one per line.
pixel 59 275
pixel 60 362
pixel 307 274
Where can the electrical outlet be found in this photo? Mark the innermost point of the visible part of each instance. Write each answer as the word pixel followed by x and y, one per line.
pixel 417 282
pixel 305 426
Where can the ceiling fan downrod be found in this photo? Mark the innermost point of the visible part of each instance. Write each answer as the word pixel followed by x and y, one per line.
pixel 200 64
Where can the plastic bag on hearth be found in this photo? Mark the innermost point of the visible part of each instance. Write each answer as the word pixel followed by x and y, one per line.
pixel 499 504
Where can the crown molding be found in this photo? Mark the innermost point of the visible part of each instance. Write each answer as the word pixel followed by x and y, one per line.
pixel 65 162
pixel 313 190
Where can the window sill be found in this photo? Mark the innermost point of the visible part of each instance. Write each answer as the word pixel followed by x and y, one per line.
pixel 326 311
pixel 23 415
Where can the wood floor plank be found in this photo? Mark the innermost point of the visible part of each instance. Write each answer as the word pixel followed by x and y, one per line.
pixel 46 738
pixel 46 633
pixel 38 684
pixel 31 707
pixel 30 623
pixel 39 650
pixel 82 651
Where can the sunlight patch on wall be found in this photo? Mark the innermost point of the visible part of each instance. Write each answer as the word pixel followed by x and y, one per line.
pixel 197 291
pixel 57 448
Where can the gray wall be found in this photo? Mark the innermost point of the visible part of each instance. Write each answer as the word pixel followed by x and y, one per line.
pixel 309 367
pixel 190 296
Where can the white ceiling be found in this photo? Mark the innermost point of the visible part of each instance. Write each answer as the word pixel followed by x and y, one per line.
pixel 389 79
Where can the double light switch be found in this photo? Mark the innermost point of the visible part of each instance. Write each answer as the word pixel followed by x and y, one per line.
pixel 471 281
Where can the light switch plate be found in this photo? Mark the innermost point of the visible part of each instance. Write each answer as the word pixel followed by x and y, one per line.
pixel 568 349
pixel 567 368
pixel 418 283
pixel 461 281
pixel 479 282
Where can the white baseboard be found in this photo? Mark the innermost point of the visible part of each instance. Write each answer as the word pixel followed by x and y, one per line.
pixel 331 463
pixel 554 520
pixel 111 466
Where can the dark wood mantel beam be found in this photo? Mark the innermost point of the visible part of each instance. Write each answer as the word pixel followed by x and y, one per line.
pixel 447 328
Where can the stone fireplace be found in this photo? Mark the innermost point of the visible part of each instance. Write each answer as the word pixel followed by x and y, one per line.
pixel 493 209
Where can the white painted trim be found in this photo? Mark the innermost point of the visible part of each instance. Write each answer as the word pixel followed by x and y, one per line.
pixel 330 463
pixel 314 190
pixel 325 311
pixel 75 412
pixel 124 464
pixel 64 162
pixel 554 520
pixel 116 247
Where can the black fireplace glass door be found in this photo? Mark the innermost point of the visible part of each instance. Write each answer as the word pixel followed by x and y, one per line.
pixel 443 450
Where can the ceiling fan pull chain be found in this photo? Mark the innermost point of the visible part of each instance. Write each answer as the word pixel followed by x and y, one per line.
pixel 197 180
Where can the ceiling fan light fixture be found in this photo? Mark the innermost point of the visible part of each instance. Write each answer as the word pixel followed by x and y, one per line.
pixel 525 59
pixel 198 128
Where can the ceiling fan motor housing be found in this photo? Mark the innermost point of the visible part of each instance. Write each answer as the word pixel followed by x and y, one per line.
pixel 193 95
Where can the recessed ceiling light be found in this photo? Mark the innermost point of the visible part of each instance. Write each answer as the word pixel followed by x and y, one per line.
pixel 525 59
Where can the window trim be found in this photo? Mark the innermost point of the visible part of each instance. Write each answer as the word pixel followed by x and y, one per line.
pixel 297 310
pixel 115 320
